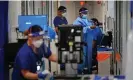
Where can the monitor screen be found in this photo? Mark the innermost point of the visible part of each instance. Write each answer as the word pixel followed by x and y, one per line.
pixel 26 21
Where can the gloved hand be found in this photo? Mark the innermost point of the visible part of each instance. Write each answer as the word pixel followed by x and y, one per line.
pixel 105 78
pixel 85 29
pixel 97 77
pixel 44 74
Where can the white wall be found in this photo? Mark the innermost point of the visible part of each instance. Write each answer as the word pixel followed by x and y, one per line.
pixel 110 15
pixel 125 21
pixel 14 11
pixel 55 7
pixel 110 9
pixel 70 5
pixel 54 66
pixel 98 11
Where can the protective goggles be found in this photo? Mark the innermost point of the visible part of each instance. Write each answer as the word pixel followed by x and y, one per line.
pixel 36 34
pixel 63 10
pixel 84 12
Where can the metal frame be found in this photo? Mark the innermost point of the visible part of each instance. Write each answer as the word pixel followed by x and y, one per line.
pixel 121 29
pixel 125 21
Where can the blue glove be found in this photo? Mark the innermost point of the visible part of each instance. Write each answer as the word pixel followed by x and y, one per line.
pixel 97 78
pixel 44 74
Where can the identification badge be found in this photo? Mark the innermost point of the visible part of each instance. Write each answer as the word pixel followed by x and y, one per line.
pixel 38 65
pixel 38 68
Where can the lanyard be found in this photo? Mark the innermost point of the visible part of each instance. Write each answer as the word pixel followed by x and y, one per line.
pixel 38 63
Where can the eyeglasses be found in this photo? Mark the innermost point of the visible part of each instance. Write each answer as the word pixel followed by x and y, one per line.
pixel 64 11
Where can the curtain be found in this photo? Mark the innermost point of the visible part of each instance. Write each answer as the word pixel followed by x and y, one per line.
pixel 3 34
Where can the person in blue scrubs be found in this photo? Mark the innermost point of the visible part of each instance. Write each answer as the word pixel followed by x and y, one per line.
pixel 88 37
pixel 29 57
pixel 98 34
pixel 60 19
pixel 97 31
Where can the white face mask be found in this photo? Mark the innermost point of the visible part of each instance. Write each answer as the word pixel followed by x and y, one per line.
pixel 64 14
pixel 38 43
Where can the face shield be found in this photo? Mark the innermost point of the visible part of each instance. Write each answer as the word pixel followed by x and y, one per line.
pixel 37 38
pixel 84 14
pixel 41 33
pixel 64 12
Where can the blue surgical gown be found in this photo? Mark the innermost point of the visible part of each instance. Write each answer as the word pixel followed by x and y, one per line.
pixel 88 37
pixel 83 22
pixel 27 59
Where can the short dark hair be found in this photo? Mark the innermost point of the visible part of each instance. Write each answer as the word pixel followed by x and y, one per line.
pixel 82 9
pixel 62 8
pixel 95 20
pixel 33 29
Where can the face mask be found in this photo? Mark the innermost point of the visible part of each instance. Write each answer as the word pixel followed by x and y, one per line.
pixel 84 16
pixel 64 14
pixel 37 43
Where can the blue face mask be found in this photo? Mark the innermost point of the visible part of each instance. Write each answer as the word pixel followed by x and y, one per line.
pixel 84 16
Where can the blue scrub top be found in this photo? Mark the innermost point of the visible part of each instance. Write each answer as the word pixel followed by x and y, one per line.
pixel 59 21
pixel 27 59
pixel 97 33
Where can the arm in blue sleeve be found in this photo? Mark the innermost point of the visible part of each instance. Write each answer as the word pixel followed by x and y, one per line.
pixel 66 21
pixel 76 22
pixel 42 51
pixel 49 53
pixel 56 22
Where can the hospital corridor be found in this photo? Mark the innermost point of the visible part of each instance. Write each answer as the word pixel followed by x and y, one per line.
pixel 66 40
